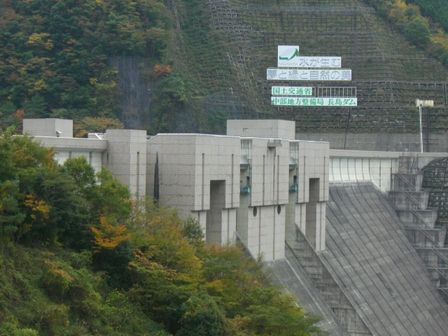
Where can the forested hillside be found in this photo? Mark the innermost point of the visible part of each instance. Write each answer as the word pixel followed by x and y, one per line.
pixel 437 10
pixel 428 32
pixel 183 65
pixel 54 55
pixel 78 257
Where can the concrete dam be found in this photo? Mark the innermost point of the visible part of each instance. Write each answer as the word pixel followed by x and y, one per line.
pixel 353 235
pixel 369 280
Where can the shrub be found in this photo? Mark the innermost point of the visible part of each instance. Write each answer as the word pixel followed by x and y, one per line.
pixel 202 317
pixel 56 280
pixel 12 329
pixel 417 31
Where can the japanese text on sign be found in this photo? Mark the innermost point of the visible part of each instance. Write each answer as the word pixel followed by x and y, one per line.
pixel 311 62
pixel 291 91
pixel 309 75
pixel 314 101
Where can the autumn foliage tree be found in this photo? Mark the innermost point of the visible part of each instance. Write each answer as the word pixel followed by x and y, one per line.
pixel 42 201
pixel 195 289
pixel 112 252
pixel 108 267
pixel 54 55
pixel 109 236
pixel 423 31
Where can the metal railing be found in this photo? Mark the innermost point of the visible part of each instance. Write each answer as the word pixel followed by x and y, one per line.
pixel 413 166
pixel 433 249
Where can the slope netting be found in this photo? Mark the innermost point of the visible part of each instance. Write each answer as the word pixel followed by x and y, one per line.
pixel 226 45
pixel 435 181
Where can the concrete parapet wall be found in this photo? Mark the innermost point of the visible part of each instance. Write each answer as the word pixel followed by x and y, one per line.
pixel 72 144
pixel 280 129
pixel 64 148
pixel 372 166
pixel 403 142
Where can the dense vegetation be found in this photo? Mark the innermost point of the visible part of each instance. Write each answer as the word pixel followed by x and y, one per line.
pixel 420 30
pixel 54 55
pixel 55 60
pixel 77 257
pixel 436 9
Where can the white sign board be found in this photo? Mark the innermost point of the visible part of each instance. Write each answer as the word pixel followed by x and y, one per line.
pixel 312 62
pixel 309 75
pixel 287 54
pixel 424 103
pixel 314 101
pixel 291 91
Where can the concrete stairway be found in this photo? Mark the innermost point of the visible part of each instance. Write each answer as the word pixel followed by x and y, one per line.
pixel 301 256
pixel 411 204
pixel 290 275
pixel 370 279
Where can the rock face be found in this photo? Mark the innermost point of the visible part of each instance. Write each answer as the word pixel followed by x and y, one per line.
pixel 135 90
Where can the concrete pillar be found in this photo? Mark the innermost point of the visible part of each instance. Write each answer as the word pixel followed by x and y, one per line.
pixel 126 158
pixel 216 217
pixel 309 199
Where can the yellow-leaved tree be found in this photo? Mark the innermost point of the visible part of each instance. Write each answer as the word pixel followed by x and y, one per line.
pixel 109 235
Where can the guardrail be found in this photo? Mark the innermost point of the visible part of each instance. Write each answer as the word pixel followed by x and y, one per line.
pixel 427 236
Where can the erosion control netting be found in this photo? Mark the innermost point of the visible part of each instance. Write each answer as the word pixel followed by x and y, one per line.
pixel 435 180
pixel 228 44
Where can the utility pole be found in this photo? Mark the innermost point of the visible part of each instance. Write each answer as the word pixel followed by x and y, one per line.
pixel 420 104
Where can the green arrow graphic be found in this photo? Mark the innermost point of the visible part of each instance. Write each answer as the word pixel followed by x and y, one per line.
pixel 286 58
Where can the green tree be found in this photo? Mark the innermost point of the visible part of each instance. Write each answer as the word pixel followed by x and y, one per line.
pixel 12 329
pixel 81 171
pixel 11 217
pixel 111 198
pixel 171 95
pixel 39 200
pixel 67 219
pixel 417 30
pixel 252 306
pixel 202 317
pixel 165 271
pixel 36 107
pixel 193 232
pixel 154 266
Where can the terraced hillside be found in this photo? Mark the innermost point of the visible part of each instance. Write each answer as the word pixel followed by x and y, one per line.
pixel 226 46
